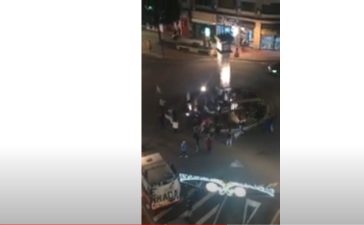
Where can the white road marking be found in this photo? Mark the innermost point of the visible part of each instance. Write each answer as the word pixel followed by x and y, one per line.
pixel 275 217
pixel 202 201
pixel 218 213
pixel 236 164
pixel 161 214
pixel 273 185
pixel 199 203
pixel 199 184
pixel 253 204
pixel 193 190
pixel 208 215
pixel 190 192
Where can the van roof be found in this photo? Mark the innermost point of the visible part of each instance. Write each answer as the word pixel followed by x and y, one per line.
pixel 158 169
pixel 151 159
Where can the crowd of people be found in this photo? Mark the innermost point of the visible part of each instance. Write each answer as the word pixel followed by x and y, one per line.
pixel 205 130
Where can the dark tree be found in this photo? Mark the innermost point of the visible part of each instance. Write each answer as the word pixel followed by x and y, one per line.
pixel 160 11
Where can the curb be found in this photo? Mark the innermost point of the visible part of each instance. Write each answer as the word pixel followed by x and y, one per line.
pixel 153 54
pixel 195 50
pixel 200 51
pixel 256 60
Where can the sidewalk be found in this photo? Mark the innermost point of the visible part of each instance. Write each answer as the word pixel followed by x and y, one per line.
pixel 247 54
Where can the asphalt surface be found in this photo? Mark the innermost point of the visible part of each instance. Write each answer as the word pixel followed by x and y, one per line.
pixel 257 150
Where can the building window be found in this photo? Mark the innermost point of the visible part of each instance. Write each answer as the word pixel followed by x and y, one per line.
pixel 272 9
pixel 207 3
pixel 247 6
pixel 227 4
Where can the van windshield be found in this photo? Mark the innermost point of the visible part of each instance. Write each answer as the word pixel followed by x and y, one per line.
pixel 160 174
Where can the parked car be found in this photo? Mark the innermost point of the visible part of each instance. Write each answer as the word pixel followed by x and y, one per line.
pixel 274 69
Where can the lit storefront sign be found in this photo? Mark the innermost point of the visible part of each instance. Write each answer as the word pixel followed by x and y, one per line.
pixel 233 21
pixel 229 188
pixel 207 32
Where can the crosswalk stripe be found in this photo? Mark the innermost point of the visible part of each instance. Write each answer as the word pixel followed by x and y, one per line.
pixel 190 192
pixel 199 203
pixel 203 200
pixel 208 215
pixel 276 216
pixel 218 213
pixel 161 214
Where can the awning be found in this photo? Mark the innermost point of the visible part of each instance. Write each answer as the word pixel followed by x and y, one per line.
pixel 203 17
pixel 202 21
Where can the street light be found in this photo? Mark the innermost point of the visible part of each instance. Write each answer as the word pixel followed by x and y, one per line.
pixel 235 30
pixel 203 88
pixel 225 76
pixel 207 34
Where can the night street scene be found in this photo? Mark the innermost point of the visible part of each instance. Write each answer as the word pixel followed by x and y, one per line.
pixel 210 112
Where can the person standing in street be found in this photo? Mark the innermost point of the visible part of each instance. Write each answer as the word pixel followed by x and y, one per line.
pixel 196 137
pixel 229 139
pixel 162 103
pixel 161 119
pixel 175 124
pixel 271 125
pixel 183 149
pixel 208 143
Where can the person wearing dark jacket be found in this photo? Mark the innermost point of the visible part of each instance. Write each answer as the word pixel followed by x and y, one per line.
pixel 229 139
pixel 208 143
pixel 196 137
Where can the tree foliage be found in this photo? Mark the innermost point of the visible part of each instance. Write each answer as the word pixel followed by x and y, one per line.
pixel 160 11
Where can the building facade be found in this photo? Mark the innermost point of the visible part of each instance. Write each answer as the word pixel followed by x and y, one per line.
pixel 254 23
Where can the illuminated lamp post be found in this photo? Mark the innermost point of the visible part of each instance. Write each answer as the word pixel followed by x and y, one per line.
pixel 235 30
pixel 207 32
pixel 223 47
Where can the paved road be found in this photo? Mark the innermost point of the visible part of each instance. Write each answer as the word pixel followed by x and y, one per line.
pixel 257 151
pixel 212 208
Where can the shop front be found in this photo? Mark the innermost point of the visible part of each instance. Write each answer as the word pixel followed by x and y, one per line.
pixel 202 24
pixel 202 30
pixel 243 29
pixel 270 39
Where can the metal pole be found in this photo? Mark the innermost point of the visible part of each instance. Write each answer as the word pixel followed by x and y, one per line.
pixel 160 36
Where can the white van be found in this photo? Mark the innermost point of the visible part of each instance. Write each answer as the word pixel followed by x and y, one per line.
pixel 160 182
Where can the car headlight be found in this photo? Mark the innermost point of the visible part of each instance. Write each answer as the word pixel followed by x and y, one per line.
pixel 274 71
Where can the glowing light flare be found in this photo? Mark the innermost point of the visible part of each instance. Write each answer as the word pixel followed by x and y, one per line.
pixel 225 76
pixel 235 31
pixel 240 192
pixel 203 88
pixel 212 187
pixel 207 32
pixel 230 188
pixel 219 46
